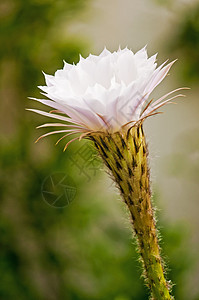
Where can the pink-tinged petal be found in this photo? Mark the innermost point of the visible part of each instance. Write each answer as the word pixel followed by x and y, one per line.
pixel 66 109
pixel 88 117
pixel 163 97
pixel 54 116
pixel 50 133
pixel 51 104
pixel 95 106
pixel 71 141
pixel 156 107
pixel 112 110
pixel 64 136
pixel 159 77
pixel 60 125
pixel 153 104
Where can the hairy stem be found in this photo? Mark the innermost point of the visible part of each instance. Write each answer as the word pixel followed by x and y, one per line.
pixel 125 155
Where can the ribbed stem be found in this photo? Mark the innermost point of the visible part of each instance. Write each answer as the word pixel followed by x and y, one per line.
pixel 125 154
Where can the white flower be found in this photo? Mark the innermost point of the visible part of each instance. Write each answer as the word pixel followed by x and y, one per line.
pixel 103 93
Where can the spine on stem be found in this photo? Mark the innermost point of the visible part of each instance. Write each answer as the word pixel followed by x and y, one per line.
pixel 125 155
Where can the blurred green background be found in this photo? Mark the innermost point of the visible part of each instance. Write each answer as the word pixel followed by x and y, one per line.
pixel 84 249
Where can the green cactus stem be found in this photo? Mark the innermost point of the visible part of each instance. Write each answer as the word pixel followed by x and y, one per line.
pixel 125 155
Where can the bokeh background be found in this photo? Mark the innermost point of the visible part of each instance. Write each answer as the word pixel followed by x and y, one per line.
pixel 82 248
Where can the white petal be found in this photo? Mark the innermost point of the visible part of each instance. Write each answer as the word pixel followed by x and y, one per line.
pixel 126 68
pixel 105 91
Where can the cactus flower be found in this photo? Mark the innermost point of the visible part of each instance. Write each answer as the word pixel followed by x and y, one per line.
pixel 106 98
